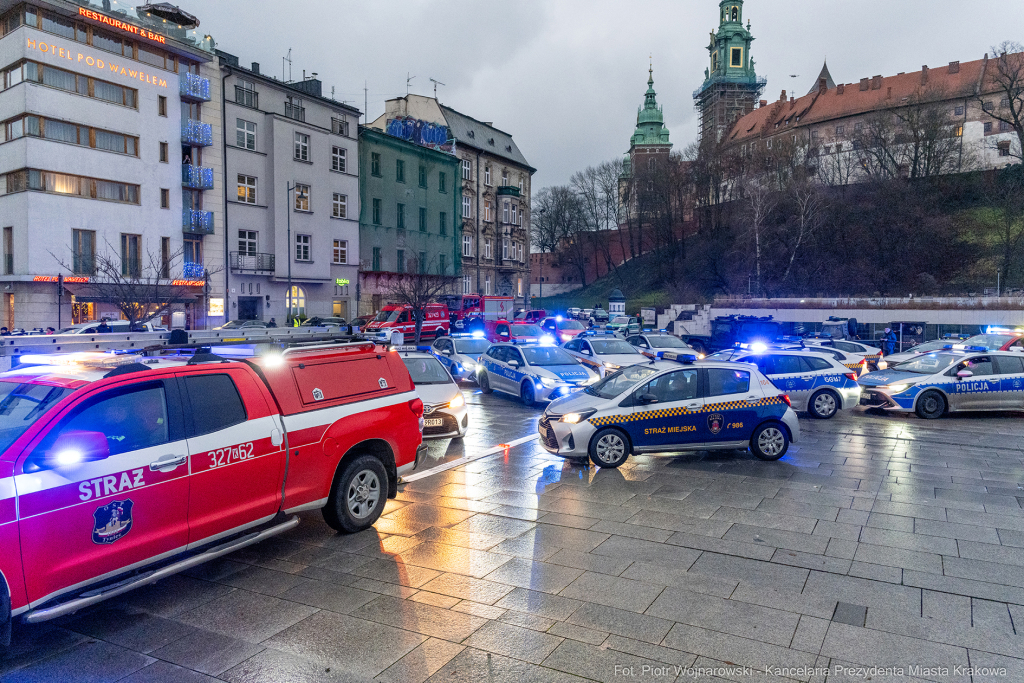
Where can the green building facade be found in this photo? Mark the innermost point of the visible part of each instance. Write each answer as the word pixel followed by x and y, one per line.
pixel 408 222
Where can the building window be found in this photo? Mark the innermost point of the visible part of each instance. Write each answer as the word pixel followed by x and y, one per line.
pixel 245 94
pixel 736 57
pixel 376 212
pixel 400 261
pixel 988 126
pixel 70 133
pixel 487 210
pixel 338 159
pixel 8 251
pixel 1005 127
pixel 520 244
pixel 165 258
pixel 487 285
pixel 519 287
pixel 163 152
pixel 301 197
pixel 520 184
pixel 340 205
pixel 840 130
pixel 467 284
pixel 400 170
pixel 339 126
pixel 423 219
pixel 376 260
pixel 442 227
pixel 245 134
pixel 504 178
pixel 161 105
pixel 296 301
pixel 515 216
pixel 442 182
pixel 247 189
pixel 467 169
pixel 71 82
pixel 301 147
pixel 959 111
pixel 1004 149
pixel 400 217
pixel 958 131
pixel 302 247
pixel 293 109
pixel 487 248
pixel 131 255
pixel 340 252
pixel 65 184
pixel 422 263
pixel 247 242
pixel 504 212
pixel 487 175
pixel 165 198
pixel 423 176
pixel 467 206
pixel 504 250
pixel 442 265
pixel 467 245
pixel 83 245
pixel 375 164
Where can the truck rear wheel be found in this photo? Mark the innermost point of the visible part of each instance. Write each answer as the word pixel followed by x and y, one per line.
pixel 5 615
pixel 358 495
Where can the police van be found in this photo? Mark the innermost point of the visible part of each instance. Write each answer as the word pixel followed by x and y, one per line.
pixel 814 382
pixel 961 378
pixel 671 406
pixel 533 372
pixel 603 351
pixel 459 353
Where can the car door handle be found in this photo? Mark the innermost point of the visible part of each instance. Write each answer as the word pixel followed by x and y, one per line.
pixel 693 405
pixel 168 463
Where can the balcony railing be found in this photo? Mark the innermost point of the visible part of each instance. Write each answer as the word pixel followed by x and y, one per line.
pixel 196 133
pixel 247 97
pixel 197 222
pixel 294 111
pixel 241 260
pixel 194 88
pixel 193 271
pixel 196 177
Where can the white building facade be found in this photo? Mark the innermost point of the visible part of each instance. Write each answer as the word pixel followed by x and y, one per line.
pixel 109 151
pixel 291 158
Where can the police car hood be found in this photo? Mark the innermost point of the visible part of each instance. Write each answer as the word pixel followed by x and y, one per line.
pixel 566 373
pixel 883 377
pixel 623 359
pixel 433 394
pixel 574 403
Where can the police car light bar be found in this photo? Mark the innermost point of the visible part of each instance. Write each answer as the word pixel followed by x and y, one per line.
pixel 467 335
pixel 964 347
pixel 684 358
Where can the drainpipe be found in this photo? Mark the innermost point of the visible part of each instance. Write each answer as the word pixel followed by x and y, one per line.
pixel 224 172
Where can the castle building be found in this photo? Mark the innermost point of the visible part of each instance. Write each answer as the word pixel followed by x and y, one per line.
pixel 651 137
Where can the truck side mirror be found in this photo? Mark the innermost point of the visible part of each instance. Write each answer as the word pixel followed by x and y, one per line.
pixel 78 446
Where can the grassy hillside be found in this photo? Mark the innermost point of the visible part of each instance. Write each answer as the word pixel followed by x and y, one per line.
pixel 634 278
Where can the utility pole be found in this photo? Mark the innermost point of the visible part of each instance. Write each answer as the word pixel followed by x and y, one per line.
pixel 408 82
pixel 366 104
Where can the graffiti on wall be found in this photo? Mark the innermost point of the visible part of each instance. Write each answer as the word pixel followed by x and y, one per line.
pixel 422 133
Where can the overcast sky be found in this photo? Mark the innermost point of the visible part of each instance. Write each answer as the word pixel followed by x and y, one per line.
pixel 565 77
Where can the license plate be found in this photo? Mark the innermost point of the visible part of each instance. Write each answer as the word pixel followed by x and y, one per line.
pixel 433 422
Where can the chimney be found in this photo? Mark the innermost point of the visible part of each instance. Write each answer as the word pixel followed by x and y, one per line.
pixel 954 67
pixel 822 84
pixel 783 98
pixel 924 75
pixel 791 100
pixel 876 83
pixel 764 103
pixel 863 84
pixel 255 67
pixel 840 89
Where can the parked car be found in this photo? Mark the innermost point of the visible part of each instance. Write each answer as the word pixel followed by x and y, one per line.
pixel 574 312
pixel 561 329
pixel 242 325
pixel 118 326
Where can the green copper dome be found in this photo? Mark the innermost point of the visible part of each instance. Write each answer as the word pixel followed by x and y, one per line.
pixel 650 120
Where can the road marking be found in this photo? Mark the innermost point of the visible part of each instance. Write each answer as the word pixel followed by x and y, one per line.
pixel 451 464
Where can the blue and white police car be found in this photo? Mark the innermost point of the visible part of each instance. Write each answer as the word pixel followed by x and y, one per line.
pixel 603 351
pixel 671 406
pixel 459 353
pixel 961 378
pixel 652 344
pixel 815 382
pixel 533 372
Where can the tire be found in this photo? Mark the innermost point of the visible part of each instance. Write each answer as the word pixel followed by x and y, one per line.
pixel 485 384
pixel 528 394
pixel 609 448
pixel 769 441
pixel 930 405
pixel 5 616
pixel 358 495
pixel 823 405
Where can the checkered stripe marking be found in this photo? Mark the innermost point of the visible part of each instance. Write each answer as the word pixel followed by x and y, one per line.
pixel 672 412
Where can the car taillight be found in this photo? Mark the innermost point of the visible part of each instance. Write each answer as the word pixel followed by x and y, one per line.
pixel 851 376
pixel 416 406
pixel 785 397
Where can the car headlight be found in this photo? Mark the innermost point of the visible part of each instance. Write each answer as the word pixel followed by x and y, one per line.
pixel 896 388
pixel 566 337
pixel 576 418
pixel 611 366
pixel 548 382
pixel 469 365
pixel 457 402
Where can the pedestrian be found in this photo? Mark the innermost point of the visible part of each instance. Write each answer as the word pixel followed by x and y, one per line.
pixel 889 342
pixel 4 332
pixel 104 327
pixel 50 330
pixel 272 323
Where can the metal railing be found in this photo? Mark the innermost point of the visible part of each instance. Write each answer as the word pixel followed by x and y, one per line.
pixel 194 88
pixel 294 111
pixel 197 222
pixel 196 133
pixel 197 177
pixel 247 261
pixel 247 97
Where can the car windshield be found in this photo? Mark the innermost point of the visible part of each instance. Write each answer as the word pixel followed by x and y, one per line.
pixel 621 381
pixel 992 341
pixel 526 331
pixel 667 342
pixel 21 405
pixel 621 320
pixel 930 363
pixel 930 346
pixel 547 355
pixel 427 371
pixel 606 347
pixel 471 346
pixel 387 316
pixel 570 325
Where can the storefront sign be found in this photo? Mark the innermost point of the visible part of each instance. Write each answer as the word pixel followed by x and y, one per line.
pixel 216 307
pixel 68 279
pixel 121 25
pixel 188 283
pixel 77 57
pixel 341 282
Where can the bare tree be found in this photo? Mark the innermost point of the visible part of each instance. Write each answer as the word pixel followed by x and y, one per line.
pixel 809 203
pixel 759 202
pixel 836 163
pixel 418 287
pixel 1005 192
pixel 916 140
pixel 1006 80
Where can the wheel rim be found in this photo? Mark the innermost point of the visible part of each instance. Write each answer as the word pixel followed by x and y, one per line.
pixel 931 404
pixel 825 404
pixel 610 448
pixel 363 494
pixel 771 441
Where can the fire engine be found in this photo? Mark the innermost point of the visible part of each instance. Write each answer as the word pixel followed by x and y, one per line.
pixel 400 318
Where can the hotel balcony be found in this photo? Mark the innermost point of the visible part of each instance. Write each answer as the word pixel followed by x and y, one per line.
pixel 252 262
pixel 193 271
pixel 196 134
pixel 197 177
pixel 193 88
pixel 197 222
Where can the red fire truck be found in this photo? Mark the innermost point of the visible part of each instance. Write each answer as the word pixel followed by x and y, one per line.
pixel 399 318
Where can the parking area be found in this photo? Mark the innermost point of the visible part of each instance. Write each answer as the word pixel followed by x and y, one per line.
pixel 877 541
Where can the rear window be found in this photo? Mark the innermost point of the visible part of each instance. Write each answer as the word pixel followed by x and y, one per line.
pixel 722 381
pixel 783 365
pixel 817 363
pixel 215 402
pixel 526 331
pixel 1009 365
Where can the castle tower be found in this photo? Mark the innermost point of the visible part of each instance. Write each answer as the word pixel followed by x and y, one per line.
pixel 651 137
pixel 731 87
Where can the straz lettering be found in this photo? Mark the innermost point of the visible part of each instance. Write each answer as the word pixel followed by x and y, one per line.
pixel 971 387
pixel 111 484
pixel 670 430
pixel 225 456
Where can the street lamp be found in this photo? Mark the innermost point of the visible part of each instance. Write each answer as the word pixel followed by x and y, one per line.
pixel 288 208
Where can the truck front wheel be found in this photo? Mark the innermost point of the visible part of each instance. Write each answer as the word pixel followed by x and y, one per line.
pixel 358 495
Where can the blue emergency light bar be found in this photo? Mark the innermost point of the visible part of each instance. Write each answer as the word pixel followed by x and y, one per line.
pixel 598 333
pixel 684 358
pixel 791 339
pixel 756 347
pixel 964 347
pixel 467 335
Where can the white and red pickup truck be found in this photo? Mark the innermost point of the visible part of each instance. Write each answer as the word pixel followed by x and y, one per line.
pixel 119 470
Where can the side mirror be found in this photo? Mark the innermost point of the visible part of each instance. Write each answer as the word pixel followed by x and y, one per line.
pixel 965 374
pixel 648 398
pixel 75 447
pixel 447 352
pixel 513 364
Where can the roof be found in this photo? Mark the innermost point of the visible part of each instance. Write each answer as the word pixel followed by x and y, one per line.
pixel 483 136
pixel 307 91
pixel 824 74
